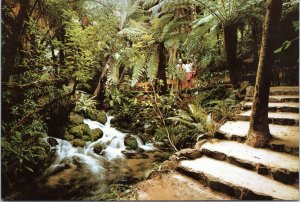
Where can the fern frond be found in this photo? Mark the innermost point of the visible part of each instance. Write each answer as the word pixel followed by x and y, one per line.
pixel 137 63
pixel 152 66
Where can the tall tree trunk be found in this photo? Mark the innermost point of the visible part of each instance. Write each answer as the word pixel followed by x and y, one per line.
pixel 62 39
pixel 259 133
pixel 162 65
pixel 230 46
pixel 11 49
pixel 99 92
pixel 254 33
pixel 219 43
pixel 121 76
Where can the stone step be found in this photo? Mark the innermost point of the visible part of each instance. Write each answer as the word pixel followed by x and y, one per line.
pixel 283 118
pixel 285 138
pixel 236 181
pixel 284 90
pixel 279 98
pixel 279 107
pixel 280 166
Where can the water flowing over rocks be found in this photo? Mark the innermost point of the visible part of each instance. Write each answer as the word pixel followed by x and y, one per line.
pixel 83 169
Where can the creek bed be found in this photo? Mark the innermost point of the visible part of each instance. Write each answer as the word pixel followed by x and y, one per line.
pixel 81 174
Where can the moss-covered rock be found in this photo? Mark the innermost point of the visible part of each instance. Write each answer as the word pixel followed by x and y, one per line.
pixel 131 143
pixel 75 120
pixel 98 148
pixel 78 143
pixel 96 115
pixel 140 150
pixel 86 138
pixel 68 137
pixel 101 117
pixel 114 121
pixel 91 115
pixel 96 134
pixel 80 130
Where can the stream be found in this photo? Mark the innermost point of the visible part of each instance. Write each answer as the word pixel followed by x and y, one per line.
pixel 81 174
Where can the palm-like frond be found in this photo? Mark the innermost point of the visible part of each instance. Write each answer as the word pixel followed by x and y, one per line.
pixel 138 65
pixel 229 11
pixel 197 118
pixel 152 66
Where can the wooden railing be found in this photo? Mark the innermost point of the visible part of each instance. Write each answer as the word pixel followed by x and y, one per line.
pixel 146 87
pixel 173 85
pixel 143 87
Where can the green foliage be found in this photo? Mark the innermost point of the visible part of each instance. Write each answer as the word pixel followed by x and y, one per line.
pixel 23 153
pixel 80 49
pixel 152 66
pixel 221 103
pixel 76 40
pixel 228 12
pixel 181 135
pixel 196 118
pixel 85 103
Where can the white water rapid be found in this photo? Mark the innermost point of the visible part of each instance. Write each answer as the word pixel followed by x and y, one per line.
pixel 112 142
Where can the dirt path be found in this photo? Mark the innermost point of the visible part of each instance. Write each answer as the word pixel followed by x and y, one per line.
pixel 174 186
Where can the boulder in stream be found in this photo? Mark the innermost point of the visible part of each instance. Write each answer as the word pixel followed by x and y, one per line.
pixel 67 136
pixel 80 130
pixel 86 138
pixel 101 117
pixel 75 120
pixel 52 141
pixel 96 115
pixel 140 150
pixel 131 143
pixel 98 148
pixel 78 143
pixel 96 134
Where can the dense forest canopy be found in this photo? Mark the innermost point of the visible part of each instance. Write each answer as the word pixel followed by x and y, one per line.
pixel 64 55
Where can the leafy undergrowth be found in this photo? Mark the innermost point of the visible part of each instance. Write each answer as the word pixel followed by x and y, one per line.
pixel 173 119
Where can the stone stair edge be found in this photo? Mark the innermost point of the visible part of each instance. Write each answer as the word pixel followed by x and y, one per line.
pixel 277 172
pixel 280 143
pixel 217 183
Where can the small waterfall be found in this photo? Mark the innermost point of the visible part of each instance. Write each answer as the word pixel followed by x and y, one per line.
pixel 112 139
pixel 64 150
pixel 145 147
pixel 82 174
pixel 112 142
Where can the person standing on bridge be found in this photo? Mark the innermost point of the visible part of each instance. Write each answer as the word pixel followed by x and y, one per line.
pixel 180 73
pixel 189 72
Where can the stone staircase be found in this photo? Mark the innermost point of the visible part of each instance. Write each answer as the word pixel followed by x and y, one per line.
pixel 229 166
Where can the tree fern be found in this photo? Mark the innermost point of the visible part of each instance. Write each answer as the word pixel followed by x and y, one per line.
pixel 152 66
pixel 137 63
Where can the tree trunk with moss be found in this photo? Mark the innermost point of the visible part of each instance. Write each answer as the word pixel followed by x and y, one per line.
pixel 259 133
pixel 230 46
